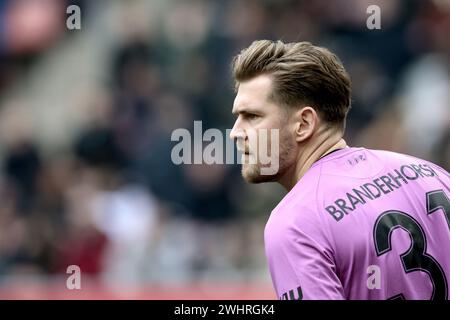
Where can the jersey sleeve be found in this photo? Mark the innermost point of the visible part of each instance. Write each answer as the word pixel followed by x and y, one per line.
pixel 301 261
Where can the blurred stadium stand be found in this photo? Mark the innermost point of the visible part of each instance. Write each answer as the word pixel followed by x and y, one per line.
pixel 86 117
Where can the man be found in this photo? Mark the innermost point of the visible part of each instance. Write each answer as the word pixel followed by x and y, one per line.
pixel 356 223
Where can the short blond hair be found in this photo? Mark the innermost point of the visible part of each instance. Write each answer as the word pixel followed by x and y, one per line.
pixel 302 74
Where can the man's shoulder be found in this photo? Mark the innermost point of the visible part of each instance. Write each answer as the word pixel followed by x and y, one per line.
pixel 376 154
pixel 300 202
pixel 358 162
pixel 341 173
pixel 304 190
pixel 393 155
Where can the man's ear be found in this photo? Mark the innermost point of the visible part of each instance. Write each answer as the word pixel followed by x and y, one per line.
pixel 306 120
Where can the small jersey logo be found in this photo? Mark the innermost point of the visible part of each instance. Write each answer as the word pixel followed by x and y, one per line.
pixel 356 159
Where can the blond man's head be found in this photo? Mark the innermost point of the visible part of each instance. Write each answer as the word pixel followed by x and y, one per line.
pixel 302 74
pixel 296 89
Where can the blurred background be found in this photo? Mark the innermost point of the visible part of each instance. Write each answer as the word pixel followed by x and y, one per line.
pixel 86 117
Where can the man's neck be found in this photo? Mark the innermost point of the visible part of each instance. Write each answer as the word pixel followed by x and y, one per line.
pixel 325 143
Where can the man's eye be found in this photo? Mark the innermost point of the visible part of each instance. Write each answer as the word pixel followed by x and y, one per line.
pixel 251 116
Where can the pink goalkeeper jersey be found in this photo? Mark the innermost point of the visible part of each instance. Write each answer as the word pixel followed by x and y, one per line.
pixel 363 224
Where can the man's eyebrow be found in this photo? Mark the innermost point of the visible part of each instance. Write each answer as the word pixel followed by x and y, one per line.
pixel 237 110
pixel 245 109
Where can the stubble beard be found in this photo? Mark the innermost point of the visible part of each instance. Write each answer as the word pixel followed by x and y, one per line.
pixel 252 172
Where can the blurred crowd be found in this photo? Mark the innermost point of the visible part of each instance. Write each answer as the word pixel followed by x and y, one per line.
pixel 86 175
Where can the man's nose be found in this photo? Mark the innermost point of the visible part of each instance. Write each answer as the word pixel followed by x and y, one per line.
pixel 237 132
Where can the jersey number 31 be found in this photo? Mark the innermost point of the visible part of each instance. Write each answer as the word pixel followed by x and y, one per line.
pixel 416 258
